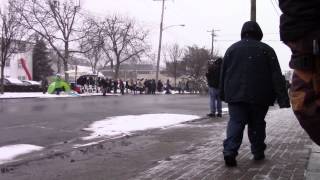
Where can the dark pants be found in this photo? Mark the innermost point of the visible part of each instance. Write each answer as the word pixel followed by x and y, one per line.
pixel 58 90
pixel 240 115
pixel 215 101
pixel 44 89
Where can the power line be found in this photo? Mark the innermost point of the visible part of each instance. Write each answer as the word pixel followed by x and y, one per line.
pixel 238 34
pixel 212 36
pixel 235 40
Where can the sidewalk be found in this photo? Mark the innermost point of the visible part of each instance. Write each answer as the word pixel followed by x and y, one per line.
pixel 287 156
pixel 313 169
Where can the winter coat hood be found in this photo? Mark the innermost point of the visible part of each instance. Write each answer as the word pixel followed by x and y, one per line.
pixel 251 30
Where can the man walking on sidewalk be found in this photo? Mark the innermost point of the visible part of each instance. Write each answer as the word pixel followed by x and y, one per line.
pixel 300 30
pixel 251 81
pixel 213 77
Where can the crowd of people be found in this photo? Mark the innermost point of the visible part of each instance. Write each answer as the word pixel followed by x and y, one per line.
pixel 139 86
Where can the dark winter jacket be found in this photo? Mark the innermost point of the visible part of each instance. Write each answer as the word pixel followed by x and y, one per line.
pixel 251 72
pixel 213 74
pixel 299 18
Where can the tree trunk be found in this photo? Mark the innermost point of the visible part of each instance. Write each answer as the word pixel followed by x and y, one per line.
pixel 175 81
pixel 2 79
pixel 175 74
pixel 116 73
pixel 94 69
pixel 66 75
pixel 59 65
pixel 65 61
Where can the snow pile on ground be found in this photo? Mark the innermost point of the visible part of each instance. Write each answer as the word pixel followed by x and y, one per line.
pixel 33 95
pixel 41 95
pixel 175 92
pixel 8 153
pixel 25 95
pixel 122 125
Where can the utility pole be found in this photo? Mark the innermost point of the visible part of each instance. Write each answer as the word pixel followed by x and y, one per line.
pixel 212 40
pixel 160 42
pixel 253 10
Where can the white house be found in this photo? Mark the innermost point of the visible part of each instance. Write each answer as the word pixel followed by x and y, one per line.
pixel 19 64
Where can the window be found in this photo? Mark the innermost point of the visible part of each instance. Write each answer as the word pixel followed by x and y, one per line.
pixel 19 65
pixel 21 78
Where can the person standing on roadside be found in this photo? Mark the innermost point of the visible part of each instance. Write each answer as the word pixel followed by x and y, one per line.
pixel 121 86
pixel 251 81
pixel 159 86
pixel 300 31
pixel 44 84
pixel 213 78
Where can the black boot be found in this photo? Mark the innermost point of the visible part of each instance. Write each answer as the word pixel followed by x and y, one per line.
pixel 230 161
pixel 259 156
pixel 211 115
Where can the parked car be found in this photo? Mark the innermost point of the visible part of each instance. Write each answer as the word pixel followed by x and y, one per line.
pixel 12 81
pixel 75 87
pixel 15 85
pixel 29 82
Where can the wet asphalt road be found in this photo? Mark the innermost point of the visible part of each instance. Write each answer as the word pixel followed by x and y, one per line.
pixel 192 150
pixel 46 122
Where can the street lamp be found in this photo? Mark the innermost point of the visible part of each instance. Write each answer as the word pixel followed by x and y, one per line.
pixel 167 27
pixel 160 44
pixel 160 39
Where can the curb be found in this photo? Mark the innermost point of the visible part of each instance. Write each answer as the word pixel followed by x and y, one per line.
pixel 313 168
pixel 39 97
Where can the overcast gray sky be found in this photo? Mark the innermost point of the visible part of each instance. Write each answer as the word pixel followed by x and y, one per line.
pixel 199 16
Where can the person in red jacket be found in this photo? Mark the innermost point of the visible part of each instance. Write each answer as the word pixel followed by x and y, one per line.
pixel 300 31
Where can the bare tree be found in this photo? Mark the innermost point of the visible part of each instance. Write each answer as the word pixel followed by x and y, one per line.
pixel 124 41
pixel 173 66
pixel 54 21
pixel 196 60
pixel 93 44
pixel 11 35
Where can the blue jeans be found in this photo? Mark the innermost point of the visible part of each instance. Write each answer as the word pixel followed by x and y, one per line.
pixel 240 115
pixel 215 101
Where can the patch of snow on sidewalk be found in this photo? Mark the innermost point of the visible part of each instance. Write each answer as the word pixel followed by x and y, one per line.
pixel 8 153
pixel 120 125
